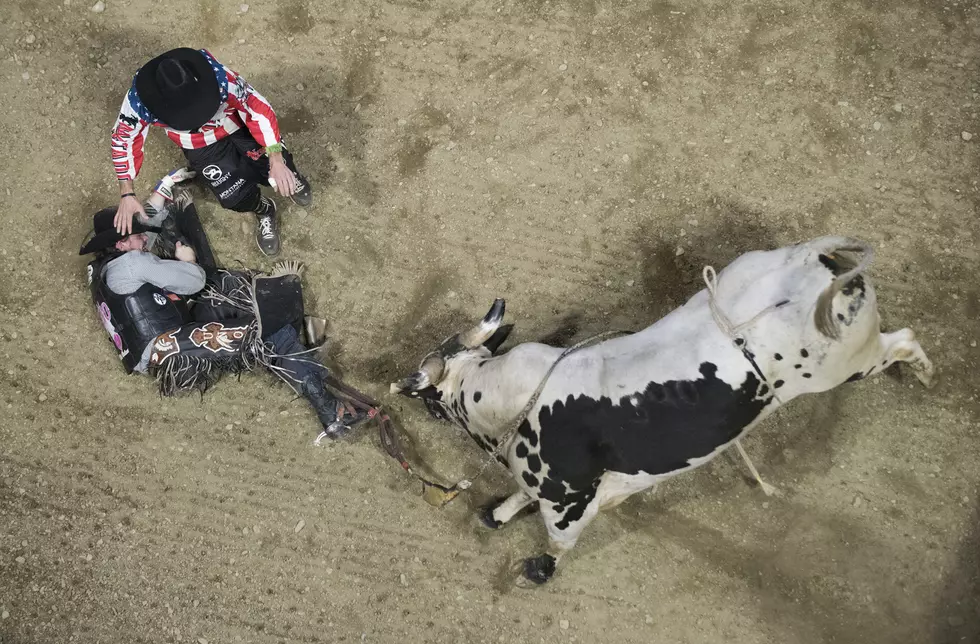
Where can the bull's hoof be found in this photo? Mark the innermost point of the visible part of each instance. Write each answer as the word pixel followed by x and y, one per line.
pixel 486 514
pixel 539 569
pixel 928 377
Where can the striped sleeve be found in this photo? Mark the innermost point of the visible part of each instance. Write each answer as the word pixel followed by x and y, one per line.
pixel 257 112
pixel 128 136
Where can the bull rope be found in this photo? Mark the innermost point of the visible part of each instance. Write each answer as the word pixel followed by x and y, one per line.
pixel 733 332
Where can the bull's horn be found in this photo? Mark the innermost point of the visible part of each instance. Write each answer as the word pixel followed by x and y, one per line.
pixel 429 373
pixel 481 332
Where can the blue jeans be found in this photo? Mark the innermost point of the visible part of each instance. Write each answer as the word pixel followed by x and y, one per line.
pixel 285 341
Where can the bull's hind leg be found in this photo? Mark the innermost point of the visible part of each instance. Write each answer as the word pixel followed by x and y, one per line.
pixel 565 523
pixel 902 346
pixel 499 512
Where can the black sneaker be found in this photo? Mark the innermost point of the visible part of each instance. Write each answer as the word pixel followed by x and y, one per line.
pixel 304 191
pixel 267 227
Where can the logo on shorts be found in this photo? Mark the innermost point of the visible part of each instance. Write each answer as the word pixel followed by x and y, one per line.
pixel 235 186
pixel 159 299
pixel 255 154
pixel 212 173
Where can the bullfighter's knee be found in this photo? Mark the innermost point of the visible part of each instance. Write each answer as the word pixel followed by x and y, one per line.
pixel 245 198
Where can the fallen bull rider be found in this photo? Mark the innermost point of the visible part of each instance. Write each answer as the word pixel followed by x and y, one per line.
pixel 174 314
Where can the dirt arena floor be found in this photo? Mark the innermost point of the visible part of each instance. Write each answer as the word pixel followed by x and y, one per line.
pixel 583 159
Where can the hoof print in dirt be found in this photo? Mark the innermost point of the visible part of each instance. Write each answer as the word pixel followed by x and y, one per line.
pixel 539 569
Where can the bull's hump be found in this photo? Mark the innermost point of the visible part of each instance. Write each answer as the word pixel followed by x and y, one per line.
pixel 657 430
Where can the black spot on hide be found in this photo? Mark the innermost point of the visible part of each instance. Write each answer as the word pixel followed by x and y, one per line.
pixel 477 396
pixel 856 285
pixel 528 433
pixel 577 503
pixel 657 430
pixel 521 450
pixel 534 463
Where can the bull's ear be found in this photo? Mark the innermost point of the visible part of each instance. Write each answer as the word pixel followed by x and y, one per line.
pixel 498 338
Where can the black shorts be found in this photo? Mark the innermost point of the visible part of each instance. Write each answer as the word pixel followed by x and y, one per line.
pixel 233 168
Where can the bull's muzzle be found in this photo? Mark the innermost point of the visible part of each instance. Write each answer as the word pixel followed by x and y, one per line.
pixel 429 373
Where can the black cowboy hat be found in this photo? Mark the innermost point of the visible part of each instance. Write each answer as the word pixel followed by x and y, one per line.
pixel 179 88
pixel 105 235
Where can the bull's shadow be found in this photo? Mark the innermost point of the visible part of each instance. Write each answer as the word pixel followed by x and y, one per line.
pixel 791 597
pixel 667 279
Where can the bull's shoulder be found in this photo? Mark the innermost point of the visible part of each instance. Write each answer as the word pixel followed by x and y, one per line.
pixel 531 354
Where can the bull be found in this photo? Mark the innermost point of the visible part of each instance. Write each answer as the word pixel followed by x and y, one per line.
pixel 619 417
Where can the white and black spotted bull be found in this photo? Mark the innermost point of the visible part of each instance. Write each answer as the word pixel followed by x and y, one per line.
pixel 624 414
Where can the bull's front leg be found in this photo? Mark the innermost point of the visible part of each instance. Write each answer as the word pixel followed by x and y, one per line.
pixel 500 511
pixel 565 522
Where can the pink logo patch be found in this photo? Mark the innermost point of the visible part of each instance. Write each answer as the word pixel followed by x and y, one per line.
pixel 107 323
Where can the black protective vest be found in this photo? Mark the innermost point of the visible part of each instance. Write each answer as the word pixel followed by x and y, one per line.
pixel 133 321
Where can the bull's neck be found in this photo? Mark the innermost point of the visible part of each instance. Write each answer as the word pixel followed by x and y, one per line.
pixel 493 391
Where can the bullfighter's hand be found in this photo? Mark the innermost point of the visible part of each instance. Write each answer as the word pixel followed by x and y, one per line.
pixel 282 177
pixel 128 206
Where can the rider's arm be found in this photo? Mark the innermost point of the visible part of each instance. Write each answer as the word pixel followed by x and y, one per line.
pixel 130 271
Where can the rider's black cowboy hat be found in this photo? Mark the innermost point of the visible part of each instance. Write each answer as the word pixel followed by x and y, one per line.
pixel 180 88
pixel 105 235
